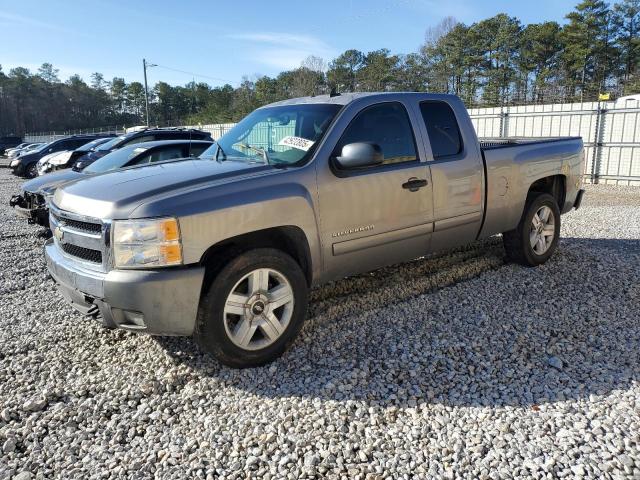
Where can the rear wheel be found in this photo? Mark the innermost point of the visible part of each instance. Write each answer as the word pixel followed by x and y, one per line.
pixel 253 308
pixel 536 237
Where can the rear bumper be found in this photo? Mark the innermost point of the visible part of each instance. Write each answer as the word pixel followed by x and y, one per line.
pixel 158 302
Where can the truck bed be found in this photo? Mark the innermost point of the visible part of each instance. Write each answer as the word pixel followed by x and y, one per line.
pixel 513 163
pixel 489 143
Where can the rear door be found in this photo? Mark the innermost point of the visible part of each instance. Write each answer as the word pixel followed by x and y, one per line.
pixel 369 217
pixel 458 175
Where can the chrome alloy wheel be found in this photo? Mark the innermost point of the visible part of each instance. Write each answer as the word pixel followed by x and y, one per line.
pixel 542 231
pixel 258 309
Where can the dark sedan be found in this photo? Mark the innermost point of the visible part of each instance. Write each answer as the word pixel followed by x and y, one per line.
pixel 32 203
pixel 27 164
pixel 141 136
pixel 73 156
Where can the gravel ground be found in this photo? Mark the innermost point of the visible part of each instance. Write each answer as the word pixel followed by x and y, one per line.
pixel 459 366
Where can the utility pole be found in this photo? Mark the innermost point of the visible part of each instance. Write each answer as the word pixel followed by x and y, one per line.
pixel 146 65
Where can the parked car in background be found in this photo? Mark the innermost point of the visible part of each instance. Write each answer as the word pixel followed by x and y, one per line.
pixel 32 202
pixel 141 136
pixel 61 163
pixel 27 165
pixel 66 159
pixel 43 164
pixel 226 250
pixel 9 141
pixel 9 151
pixel 16 152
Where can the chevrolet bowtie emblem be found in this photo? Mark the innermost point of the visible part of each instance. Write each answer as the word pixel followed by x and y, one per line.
pixel 58 233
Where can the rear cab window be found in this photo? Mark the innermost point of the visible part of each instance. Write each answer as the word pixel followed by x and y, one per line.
pixel 442 128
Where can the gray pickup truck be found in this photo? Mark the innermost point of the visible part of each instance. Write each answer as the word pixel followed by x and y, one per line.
pixel 298 193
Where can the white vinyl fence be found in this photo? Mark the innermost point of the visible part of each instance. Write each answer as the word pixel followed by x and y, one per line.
pixel 610 131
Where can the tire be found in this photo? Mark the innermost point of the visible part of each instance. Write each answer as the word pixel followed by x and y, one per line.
pixel 236 316
pixel 31 171
pixel 518 242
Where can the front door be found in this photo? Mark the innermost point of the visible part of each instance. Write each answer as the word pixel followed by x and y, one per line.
pixel 378 215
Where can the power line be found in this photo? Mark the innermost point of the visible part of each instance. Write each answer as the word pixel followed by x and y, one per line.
pixel 192 74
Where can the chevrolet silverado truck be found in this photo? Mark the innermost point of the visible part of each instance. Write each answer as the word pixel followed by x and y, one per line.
pixel 298 193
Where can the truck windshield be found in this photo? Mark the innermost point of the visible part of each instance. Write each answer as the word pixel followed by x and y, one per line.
pixel 284 135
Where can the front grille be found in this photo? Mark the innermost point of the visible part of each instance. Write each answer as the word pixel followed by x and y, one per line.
pixel 87 254
pixel 80 225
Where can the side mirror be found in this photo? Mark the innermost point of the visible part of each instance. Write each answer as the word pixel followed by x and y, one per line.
pixel 361 154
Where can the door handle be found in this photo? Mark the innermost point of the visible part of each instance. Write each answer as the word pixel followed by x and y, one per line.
pixel 414 184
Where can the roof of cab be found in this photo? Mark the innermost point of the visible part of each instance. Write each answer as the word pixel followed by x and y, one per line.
pixel 345 98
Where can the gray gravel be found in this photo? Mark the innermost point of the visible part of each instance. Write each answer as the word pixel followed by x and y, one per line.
pixel 458 366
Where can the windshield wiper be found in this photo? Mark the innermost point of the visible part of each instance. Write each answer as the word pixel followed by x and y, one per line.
pixel 261 151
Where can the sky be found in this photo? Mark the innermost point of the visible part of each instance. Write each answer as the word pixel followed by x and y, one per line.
pixel 219 42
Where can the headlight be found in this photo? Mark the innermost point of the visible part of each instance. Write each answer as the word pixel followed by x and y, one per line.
pixel 147 243
pixel 14 163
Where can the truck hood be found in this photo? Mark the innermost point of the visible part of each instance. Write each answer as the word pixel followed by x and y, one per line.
pixel 116 194
pixel 51 181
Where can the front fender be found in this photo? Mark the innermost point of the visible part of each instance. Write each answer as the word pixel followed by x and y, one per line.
pixel 235 214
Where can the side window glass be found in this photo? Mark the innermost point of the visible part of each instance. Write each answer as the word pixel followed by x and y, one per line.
pixel 197 149
pixel 442 128
pixel 160 155
pixel 144 138
pixel 388 126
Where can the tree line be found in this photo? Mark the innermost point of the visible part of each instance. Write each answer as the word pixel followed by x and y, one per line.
pixel 497 61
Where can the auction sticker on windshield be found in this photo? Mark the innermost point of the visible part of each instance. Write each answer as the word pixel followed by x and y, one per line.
pixel 296 142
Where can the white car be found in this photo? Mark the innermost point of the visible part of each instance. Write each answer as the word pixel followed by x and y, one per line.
pixel 16 152
pixel 48 163
pixel 9 152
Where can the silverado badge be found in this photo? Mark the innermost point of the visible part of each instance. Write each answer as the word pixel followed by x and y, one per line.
pixel 351 231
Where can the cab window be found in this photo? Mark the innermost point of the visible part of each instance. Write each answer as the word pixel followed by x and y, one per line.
pixel 442 128
pixel 387 125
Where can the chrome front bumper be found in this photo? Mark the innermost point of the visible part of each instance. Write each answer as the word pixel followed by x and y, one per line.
pixel 159 302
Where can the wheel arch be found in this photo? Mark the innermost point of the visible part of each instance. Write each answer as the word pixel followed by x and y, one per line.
pixel 289 239
pixel 554 185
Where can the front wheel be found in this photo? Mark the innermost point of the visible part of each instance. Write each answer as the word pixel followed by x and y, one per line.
pixel 536 237
pixel 253 309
